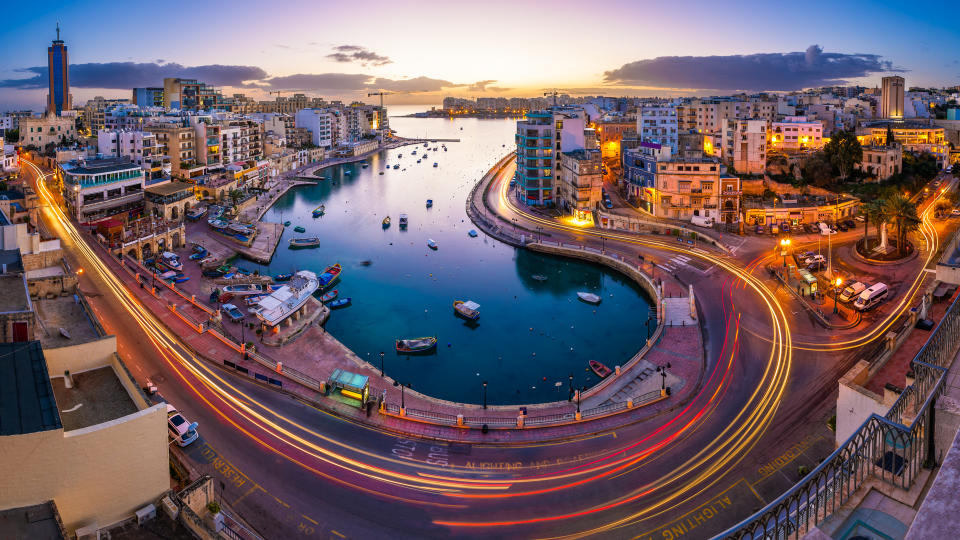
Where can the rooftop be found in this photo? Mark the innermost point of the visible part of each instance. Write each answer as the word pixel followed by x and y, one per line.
pixel 67 313
pixel 96 397
pixel 169 188
pixel 11 259
pixel 100 166
pixel 13 294
pixel 40 521
pixel 27 403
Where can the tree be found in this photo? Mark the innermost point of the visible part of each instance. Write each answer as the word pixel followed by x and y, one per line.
pixel 903 217
pixel 844 151
pixel 817 170
pixel 235 195
pixel 875 211
pixel 12 136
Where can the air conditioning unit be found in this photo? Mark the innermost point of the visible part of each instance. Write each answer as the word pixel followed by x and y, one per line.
pixel 170 508
pixel 146 514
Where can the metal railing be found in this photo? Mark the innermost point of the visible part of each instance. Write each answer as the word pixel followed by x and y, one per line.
pixel 883 447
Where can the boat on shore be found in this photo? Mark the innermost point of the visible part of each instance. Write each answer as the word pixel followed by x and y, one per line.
pixel 413 345
pixel 329 296
pixel 281 303
pixel 599 369
pixel 244 289
pixel 318 211
pixel 199 252
pixel 241 228
pixel 432 244
pixel 217 223
pixel 330 276
pixel 308 242
pixel 403 221
pixel 196 213
pixel 468 310
pixel 283 277
pixel 343 302
pixel 171 261
pixel 589 298
pixel 298 228
pixel 385 222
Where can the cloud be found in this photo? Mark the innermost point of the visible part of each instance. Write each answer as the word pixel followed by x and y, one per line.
pixel 761 71
pixel 126 75
pixel 481 86
pixel 356 53
pixel 354 82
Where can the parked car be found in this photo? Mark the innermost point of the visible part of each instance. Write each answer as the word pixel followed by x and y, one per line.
pixel 842 227
pixel 179 429
pixel 955 212
pixel 607 204
pixel 861 219
pixel 851 224
pixel 806 255
pixel 851 291
pixel 816 266
pixel 759 229
pixel 233 312
pixel 810 228
pixel 871 297
pixel 815 258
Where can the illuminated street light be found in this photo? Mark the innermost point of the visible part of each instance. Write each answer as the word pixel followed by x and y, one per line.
pixel 784 244
pixel 836 293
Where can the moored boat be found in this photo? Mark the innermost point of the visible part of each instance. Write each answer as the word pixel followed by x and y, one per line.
pixel 396 166
pixel 429 203
pixel 432 244
pixel 403 221
pixel 434 163
pixel 308 242
pixel 286 223
pixel 467 310
pixel 330 275
pixel 539 277
pixel 196 213
pixel 472 233
pixel 601 370
pixel 589 298
pixel 329 296
pixel 245 289
pixel 318 211
pixel 416 344
pixel 171 261
pixel 343 302
pixel 385 222
pixel 287 299
pixel 298 228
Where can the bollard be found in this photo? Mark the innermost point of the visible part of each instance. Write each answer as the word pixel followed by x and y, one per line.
pixel 279 367
pixel 520 421
pixel 403 411
pixel 460 420
pixel 630 403
pixel 617 369
pixel 193 298
pixel 663 392
pixel 243 347
pixel 577 416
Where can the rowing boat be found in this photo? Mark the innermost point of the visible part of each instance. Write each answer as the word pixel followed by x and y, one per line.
pixel 467 310
pixel 416 344
pixel 589 298
pixel 598 368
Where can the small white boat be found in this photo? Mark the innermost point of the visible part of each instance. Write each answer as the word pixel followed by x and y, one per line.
pixel 171 261
pixel 589 298
pixel 432 244
pixel 403 221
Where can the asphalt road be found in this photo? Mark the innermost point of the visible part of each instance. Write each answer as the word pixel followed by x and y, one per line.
pixel 293 471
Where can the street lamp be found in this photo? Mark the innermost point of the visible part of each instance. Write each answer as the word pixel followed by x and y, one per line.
pixel 784 244
pixel 580 391
pixel 663 373
pixel 649 318
pixel 603 244
pixel 381 363
pixel 836 293
pixel 570 396
pixel 484 394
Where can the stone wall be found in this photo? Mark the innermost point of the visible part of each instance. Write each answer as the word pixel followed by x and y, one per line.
pixel 758 187
pixel 47 287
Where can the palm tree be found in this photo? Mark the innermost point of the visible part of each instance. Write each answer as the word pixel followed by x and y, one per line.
pixel 875 211
pixel 903 217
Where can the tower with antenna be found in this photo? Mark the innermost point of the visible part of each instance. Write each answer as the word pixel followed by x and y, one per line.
pixel 58 64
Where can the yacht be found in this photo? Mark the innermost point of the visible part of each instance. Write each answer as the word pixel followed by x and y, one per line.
pixel 289 298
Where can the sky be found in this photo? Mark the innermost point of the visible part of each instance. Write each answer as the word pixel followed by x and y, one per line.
pixel 425 50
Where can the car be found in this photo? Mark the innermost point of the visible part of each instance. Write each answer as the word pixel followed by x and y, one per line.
pixel 955 212
pixel 179 429
pixel 810 228
pixel 816 266
pixel 513 183
pixel 233 312
pixel 815 258
pixel 759 229
pixel 842 227
pixel 785 227
pixel 852 291
pixel 861 219
pixel 806 255
pixel 851 224
pixel 608 204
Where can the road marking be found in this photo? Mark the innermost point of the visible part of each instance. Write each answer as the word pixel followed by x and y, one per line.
pixel 249 491
pixel 280 502
pixel 308 518
pixel 337 533
pixel 754 491
pixel 784 459
pixel 686 523
pixel 930 270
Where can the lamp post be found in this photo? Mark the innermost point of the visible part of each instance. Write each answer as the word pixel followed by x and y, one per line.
pixel 663 373
pixel 243 339
pixel 580 391
pixel 649 318
pixel 603 244
pixel 381 363
pixel 784 244
pixel 836 293
pixel 484 394
pixel 570 396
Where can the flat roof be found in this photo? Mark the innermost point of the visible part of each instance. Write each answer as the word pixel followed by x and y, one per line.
pixel 96 397
pixel 27 403
pixel 169 188
pixel 63 312
pixel 13 294
pixel 37 522
pixel 100 166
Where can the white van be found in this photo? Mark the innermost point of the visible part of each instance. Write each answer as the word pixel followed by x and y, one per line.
pixel 702 221
pixel 825 229
pixel 871 297
pixel 852 291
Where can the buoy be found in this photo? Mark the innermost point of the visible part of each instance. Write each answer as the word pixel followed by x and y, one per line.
pixel 448 345
pixel 531 329
pixel 544 378
pixel 534 354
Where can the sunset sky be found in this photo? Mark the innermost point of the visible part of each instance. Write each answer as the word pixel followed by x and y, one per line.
pixel 429 49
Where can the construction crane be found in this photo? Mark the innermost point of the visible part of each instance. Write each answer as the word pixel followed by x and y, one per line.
pixel 553 93
pixel 277 92
pixel 382 113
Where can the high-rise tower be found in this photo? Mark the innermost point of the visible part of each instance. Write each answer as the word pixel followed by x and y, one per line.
pixel 58 66
pixel 891 97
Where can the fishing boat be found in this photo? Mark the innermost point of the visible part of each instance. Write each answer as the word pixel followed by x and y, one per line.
pixel 212 273
pixel 329 296
pixel 601 370
pixel 401 155
pixel 418 161
pixel 589 298
pixel 241 228
pixel 308 242
pixel 472 233
pixel 243 271
pixel 426 144
pixel 364 165
pixel 254 300
pixel 432 244
pixel 348 173
pixel 381 172
pixel 286 223
pixel 169 275
pixel 539 277
pixel 283 277
pixel 196 213
pixel 288 299
pixel 171 261
pixel 403 221
pixel 385 222
pixel 330 276
pixel 424 156
pixel 366 262
pixel 244 289
pixel 429 203
pixel 467 310
pixel 414 152
pixel 197 255
pixel 298 228
pixel 416 344
pixel 396 166
pixel 434 163
pixel 343 302
pixel 318 211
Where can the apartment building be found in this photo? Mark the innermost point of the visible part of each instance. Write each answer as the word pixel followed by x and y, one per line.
pixel 640 173
pixel 695 187
pixel 657 123
pixel 40 131
pixel 100 188
pixel 148 97
pixel 192 95
pixel 541 136
pixel 795 133
pixel 179 143
pixel 129 117
pixel 581 182
pixel 325 125
pixel 744 145
pixel 881 162
pixel 95 112
pixel 709 115
pixel 916 136
pixel 240 140
pixel 208 139
pixel 291 105
pixel 141 147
